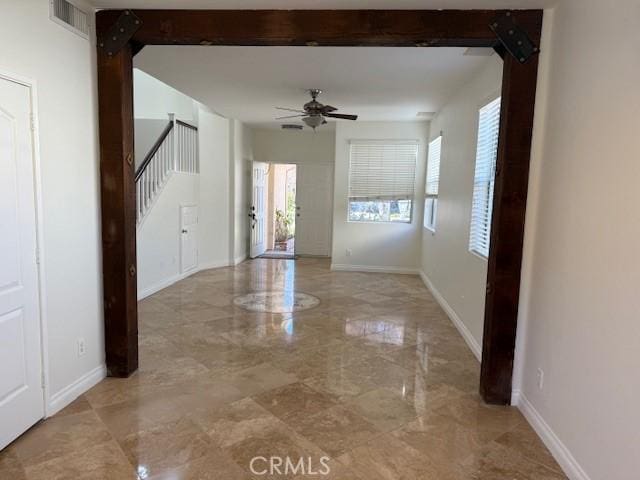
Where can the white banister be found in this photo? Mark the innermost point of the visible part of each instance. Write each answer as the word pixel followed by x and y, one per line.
pixel 175 151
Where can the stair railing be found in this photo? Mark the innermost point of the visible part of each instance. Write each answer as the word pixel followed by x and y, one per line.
pixel 176 150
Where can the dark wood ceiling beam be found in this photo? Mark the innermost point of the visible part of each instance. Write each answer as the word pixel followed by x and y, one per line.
pixel 450 28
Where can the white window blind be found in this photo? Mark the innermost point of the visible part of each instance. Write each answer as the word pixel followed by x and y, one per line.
pixel 486 154
pixel 433 167
pixel 432 184
pixel 382 170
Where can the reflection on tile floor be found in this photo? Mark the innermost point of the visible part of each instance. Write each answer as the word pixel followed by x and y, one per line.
pixel 375 379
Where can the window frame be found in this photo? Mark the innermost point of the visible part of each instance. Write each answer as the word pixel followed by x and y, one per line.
pixel 411 199
pixel 433 197
pixel 490 185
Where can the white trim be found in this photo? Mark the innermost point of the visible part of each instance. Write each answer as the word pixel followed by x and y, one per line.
pixel 343 267
pixel 167 282
pixel 453 316
pixel 559 450
pixel 72 391
pixel 32 85
pixel 240 259
pixel 142 294
pixel 210 265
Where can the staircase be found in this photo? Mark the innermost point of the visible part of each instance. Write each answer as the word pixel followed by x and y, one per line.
pixel 176 150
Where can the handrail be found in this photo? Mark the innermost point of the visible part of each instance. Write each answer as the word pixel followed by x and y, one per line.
pixel 188 125
pixel 147 159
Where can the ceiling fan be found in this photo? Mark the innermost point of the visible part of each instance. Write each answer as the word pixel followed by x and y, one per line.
pixel 314 113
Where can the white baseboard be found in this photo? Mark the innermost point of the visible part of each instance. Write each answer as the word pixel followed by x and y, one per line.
pixel 453 316
pixel 559 450
pixel 69 393
pixel 344 267
pixel 176 278
pixel 210 265
pixel 239 259
pixel 163 284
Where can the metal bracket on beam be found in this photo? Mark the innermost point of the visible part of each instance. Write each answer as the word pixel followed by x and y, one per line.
pixel 120 33
pixel 514 39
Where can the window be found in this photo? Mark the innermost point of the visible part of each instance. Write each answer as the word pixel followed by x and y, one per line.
pixel 433 182
pixel 382 180
pixel 486 154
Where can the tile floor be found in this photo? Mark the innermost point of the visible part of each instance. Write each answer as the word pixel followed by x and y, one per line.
pixel 373 383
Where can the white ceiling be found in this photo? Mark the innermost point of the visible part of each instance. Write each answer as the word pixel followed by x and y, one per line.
pixel 375 83
pixel 324 4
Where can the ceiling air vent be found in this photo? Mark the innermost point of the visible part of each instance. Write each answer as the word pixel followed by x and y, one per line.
pixel 289 126
pixel 69 16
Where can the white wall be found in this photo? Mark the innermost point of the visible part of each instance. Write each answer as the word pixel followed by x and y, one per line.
pixel 63 65
pixel 241 172
pixel 158 238
pixel 580 305
pixel 458 275
pixel 154 99
pixel 215 214
pixel 376 246
pixel 147 132
pixel 293 146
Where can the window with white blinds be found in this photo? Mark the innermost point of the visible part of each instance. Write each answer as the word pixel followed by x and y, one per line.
pixel 382 180
pixel 484 179
pixel 432 183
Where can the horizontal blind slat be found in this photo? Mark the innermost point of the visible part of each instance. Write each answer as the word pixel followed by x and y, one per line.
pixel 484 178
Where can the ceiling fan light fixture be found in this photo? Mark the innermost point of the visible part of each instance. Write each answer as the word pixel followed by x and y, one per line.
pixel 313 121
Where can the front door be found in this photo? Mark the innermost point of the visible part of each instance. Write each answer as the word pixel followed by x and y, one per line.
pixel 21 394
pixel 258 207
pixel 188 238
pixel 314 203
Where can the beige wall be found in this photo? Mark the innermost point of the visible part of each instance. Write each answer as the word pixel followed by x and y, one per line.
pixel 458 275
pixel 580 304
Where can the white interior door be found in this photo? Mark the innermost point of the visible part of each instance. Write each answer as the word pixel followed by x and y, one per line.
pixel 21 394
pixel 188 238
pixel 257 214
pixel 314 203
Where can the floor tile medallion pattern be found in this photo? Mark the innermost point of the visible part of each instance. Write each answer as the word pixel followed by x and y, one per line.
pixel 285 301
pixel 374 383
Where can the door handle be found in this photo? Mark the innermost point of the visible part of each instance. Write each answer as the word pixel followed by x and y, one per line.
pixel 185 231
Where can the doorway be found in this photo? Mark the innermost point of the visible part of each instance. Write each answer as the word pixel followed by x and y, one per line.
pixel 22 381
pixel 281 211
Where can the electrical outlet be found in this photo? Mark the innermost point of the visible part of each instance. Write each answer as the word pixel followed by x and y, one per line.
pixel 540 379
pixel 348 252
pixel 82 347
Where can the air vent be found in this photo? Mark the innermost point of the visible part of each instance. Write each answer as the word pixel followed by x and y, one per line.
pixel 289 126
pixel 69 16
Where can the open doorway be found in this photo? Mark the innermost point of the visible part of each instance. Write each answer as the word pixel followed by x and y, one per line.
pixel 281 211
pixel 273 210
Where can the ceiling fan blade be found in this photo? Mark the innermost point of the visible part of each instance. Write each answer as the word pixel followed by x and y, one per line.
pixel 290 116
pixel 290 109
pixel 342 116
pixel 328 109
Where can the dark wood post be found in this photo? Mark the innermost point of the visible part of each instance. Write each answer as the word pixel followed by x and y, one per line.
pixel 118 195
pixel 507 229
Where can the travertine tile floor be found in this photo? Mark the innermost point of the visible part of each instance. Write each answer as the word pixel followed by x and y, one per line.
pixel 375 378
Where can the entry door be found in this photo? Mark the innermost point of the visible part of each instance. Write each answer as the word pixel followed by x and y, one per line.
pixel 188 238
pixel 258 210
pixel 21 394
pixel 314 203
